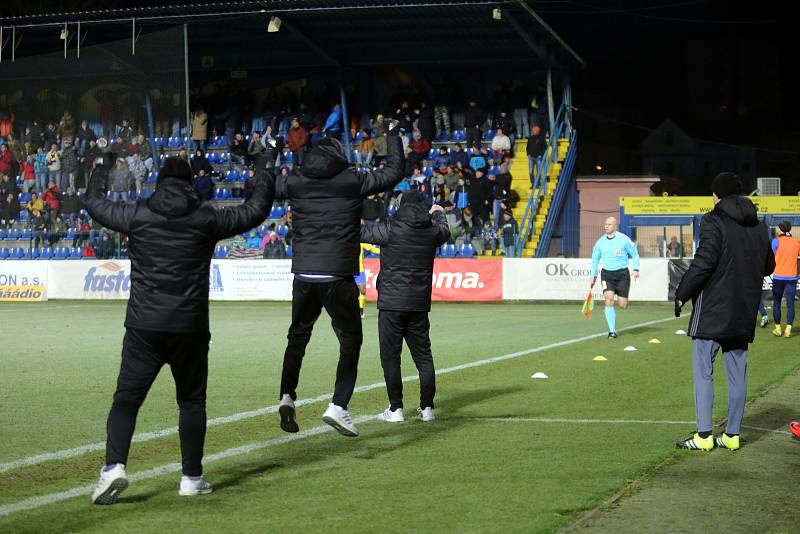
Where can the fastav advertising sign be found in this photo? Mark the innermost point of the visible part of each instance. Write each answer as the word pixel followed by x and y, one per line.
pixel 454 280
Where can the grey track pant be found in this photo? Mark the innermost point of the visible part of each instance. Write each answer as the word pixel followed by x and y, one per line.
pixel 704 352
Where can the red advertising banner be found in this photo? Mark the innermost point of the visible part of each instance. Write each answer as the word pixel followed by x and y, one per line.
pixel 454 280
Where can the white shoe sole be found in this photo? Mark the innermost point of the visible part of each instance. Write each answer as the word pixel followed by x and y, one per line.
pixel 382 418
pixel 192 493
pixel 340 428
pixel 112 492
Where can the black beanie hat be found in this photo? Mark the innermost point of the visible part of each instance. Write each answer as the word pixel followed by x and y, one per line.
pixel 175 168
pixel 410 197
pixel 726 184
pixel 785 227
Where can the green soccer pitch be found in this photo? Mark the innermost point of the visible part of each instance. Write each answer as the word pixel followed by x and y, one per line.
pixel 506 453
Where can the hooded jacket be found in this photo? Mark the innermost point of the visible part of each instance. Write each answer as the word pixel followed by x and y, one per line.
pixel 725 278
pixel 171 240
pixel 326 198
pixel 408 247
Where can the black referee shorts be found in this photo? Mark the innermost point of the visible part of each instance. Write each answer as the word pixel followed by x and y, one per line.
pixel 617 281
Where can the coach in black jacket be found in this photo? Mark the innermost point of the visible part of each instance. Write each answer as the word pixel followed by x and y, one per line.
pixel 408 247
pixel 326 198
pixel 724 284
pixel 171 240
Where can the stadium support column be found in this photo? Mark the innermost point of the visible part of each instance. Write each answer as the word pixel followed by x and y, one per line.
pixel 345 118
pixel 186 81
pixel 550 113
pixel 148 104
pixel 568 105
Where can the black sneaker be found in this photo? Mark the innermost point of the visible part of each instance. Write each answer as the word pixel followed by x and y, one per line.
pixel 612 335
pixel 286 411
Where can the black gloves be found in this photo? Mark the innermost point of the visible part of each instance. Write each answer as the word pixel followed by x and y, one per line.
pixel 391 127
pixel 678 306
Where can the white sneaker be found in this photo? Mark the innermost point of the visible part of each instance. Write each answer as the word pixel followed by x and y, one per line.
pixel 340 419
pixel 392 416
pixel 111 484
pixel 191 486
pixel 287 413
pixel 426 414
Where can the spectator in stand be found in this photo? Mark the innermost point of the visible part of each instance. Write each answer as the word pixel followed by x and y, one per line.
pixel 41 170
pixel 17 152
pixel 442 161
pixel 474 119
pixel 521 100
pixel 138 171
pixel 239 149
pixel 28 149
pixel 58 230
pixel 204 186
pixel 420 147
pixel 35 206
pixel 5 160
pixel 296 141
pixel 50 135
pixel 376 125
pixel 38 226
pixel 460 194
pixel 184 156
pixel 34 134
pixel 404 116
pixel 92 153
pixel 28 170
pixel 199 122
pixel 69 165
pixel 9 210
pixel 274 248
pixel 105 249
pixel 119 147
pixel 88 250
pixel 201 164
pixel 71 206
pixel 381 147
pixel 440 187
pixel 253 241
pixel 470 225
pixel 144 150
pixel 126 132
pixel 84 136
pixel 82 233
pixel 501 143
pixel 487 182
pixel 508 231
pixel 7 186
pixel 120 181
pixel 489 235
pixel 366 148
pixel 504 122
pixel 6 123
pixel 52 201
pixel 256 146
pixel 459 155
pixel 478 161
pixel 66 128
pixel 537 145
pixel 423 120
pixel 441 117
pixel 674 248
pixel 333 124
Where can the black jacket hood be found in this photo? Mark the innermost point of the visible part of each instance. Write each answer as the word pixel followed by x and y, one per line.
pixel 174 198
pixel 412 212
pixel 740 209
pixel 325 160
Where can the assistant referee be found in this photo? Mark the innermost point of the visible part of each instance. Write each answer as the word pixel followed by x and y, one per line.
pixel 614 249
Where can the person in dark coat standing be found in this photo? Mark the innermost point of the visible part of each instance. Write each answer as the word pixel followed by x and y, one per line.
pixel 724 284
pixel 327 196
pixel 171 241
pixel 408 247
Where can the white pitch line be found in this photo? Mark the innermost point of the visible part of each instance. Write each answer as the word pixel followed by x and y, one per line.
pixel 770 430
pixel 241 416
pixel 52 498
pixel 580 421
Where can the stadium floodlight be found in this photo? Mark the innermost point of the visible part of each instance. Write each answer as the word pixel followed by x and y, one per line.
pixel 274 24
pixel 497 14
pixel 64 34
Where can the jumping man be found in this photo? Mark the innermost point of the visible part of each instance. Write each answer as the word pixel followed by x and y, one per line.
pixel 614 249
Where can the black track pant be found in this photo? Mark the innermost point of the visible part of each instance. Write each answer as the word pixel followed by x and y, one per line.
pixel 143 354
pixel 414 327
pixel 340 300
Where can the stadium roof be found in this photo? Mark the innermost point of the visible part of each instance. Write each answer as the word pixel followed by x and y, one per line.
pixel 343 33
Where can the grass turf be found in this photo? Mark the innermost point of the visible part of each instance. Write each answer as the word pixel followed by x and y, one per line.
pixel 472 469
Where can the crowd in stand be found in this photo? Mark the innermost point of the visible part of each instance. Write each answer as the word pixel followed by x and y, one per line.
pixel 470 179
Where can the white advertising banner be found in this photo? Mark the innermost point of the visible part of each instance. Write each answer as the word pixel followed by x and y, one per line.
pixel 228 279
pixel 251 280
pixel 23 281
pixel 568 279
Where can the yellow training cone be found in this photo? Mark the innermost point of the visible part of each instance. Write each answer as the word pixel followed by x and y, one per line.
pixel 600 359
pixel 654 341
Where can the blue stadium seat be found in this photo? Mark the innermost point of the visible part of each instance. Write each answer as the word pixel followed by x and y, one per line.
pixel 26 235
pixel 280 211
pixel 23 216
pixel 36 253
pixel 489 135
pixel 24 198
pixel 282 230
pixel 466 250
pixel 246 174
pixel 391 211
pixel 70 234
pixel 289 251
pixel 75 254
pixel 13 234
pixel 224 157
pixel 152 178
pixel 232 176
pixel 146 193
pixel 3 253
pixel 494 169
pixel 3 233
pixel 427 171
pixel 448 250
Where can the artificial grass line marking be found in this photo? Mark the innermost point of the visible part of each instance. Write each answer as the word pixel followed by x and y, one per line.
pixel 44 500
pixel 580 421
pixel 148 436
pixel 776 431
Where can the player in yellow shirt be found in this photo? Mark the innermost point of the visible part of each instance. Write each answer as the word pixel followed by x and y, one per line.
pixel 361 279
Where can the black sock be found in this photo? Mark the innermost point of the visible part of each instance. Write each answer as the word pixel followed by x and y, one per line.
pixel 731 435
pixel 704 435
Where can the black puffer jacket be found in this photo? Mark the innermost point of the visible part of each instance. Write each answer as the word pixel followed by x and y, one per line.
pixel 408 247
pixel 326 198
pixel 172 237
pixel 724 280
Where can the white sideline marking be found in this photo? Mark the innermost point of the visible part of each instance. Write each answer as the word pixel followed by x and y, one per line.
pixel 148 436
pixel 44 500
pixel 773 431
pixel 580 421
